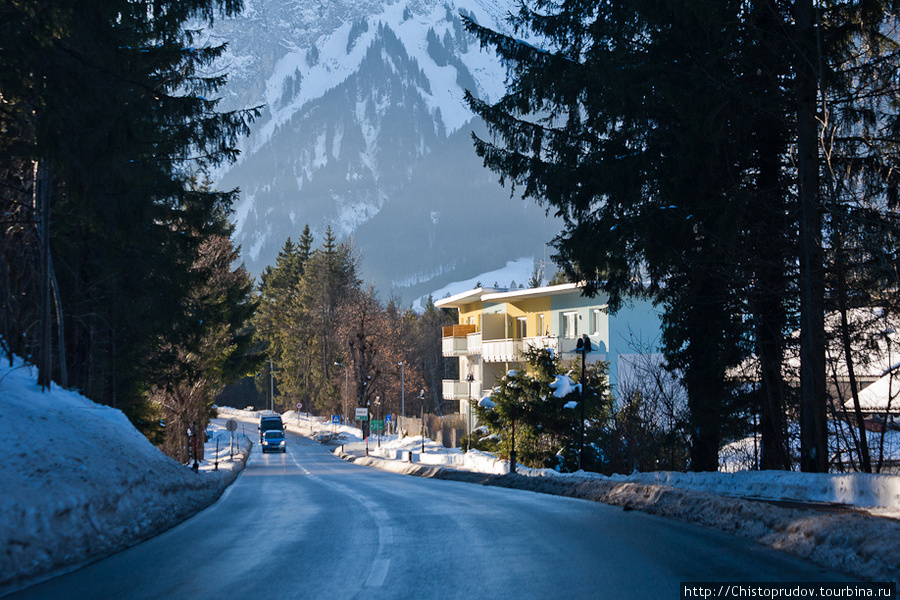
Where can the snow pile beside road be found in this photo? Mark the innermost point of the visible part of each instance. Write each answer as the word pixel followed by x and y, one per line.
pixel 862 490
pixel 854 489
pixel 79 481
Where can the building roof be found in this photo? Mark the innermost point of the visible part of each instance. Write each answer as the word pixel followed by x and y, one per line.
pixel 467 297
pixel 540 292
pixel 505 295
pixel 879 396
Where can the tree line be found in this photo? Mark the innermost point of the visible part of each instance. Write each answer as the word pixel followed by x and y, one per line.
pixel 733 160
pixel 334 345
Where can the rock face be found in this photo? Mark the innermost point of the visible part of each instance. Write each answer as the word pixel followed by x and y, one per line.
pixel 365 130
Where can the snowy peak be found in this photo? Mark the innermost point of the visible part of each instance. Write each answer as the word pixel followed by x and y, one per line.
pixel 431 47
pixel 359 100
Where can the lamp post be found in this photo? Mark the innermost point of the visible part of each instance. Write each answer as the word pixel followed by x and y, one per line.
pixel 422 406
pixel 583 346
pixel 402 397
pixel 512 450
pixel 469 378
pixel 346 378
pixel 378 405
pixel 271 385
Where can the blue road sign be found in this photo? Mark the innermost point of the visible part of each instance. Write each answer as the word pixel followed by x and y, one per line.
pixel 388 418
pixel 336 419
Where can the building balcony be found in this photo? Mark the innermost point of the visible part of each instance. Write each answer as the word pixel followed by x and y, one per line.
pixel 460 340
pixel 493 351
pixel 513 350
pixel 460 390
pixel 548 342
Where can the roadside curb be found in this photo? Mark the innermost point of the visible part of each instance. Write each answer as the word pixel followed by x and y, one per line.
pixel 843 542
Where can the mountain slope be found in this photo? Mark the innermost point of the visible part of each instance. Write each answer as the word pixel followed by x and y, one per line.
pixel 365 130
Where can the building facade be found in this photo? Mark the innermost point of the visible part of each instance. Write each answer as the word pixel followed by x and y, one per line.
pixel 496 326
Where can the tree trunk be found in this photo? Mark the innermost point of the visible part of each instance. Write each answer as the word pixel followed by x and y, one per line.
pixel 813 432
pixel 42 200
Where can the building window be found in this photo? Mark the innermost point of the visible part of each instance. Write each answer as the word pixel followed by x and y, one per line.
pixel 541 329
pixel 570 325
pixel 596 316
pixel 521 327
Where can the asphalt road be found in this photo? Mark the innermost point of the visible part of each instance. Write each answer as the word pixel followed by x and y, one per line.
pixel 307 525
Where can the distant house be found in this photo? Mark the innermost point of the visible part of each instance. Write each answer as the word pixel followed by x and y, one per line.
pixel 495 326
pixel 876 366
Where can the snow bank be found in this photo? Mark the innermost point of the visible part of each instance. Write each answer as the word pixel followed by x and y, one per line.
pixel 80 482
pixel 854 489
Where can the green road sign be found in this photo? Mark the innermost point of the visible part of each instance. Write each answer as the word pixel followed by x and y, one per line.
pixel 377 425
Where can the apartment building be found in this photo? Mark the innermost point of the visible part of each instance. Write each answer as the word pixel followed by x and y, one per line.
pixel 495 326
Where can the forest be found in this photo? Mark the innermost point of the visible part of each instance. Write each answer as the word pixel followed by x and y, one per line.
pixel 333 345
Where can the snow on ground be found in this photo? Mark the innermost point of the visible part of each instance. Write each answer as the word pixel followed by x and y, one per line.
pixel 880 493
pixel 78 481
pixel 518 271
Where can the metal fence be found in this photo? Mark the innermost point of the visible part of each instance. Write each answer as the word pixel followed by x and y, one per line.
pixel 446 429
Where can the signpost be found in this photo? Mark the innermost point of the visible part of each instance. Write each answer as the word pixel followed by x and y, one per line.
pixel 377 425
pixel 231 426
pixel 362 414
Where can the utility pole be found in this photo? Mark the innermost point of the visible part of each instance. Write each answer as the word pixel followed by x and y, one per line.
pixel 271 385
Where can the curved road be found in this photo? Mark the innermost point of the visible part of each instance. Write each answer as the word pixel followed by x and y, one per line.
pixel 307 525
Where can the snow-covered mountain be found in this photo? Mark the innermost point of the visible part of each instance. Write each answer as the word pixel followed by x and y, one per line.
pixel 365 130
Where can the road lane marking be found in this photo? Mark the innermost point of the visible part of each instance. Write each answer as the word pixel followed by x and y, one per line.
pixel 380 564
pixel 378 573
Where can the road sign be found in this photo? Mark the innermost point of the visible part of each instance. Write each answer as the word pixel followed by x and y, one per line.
pixel 299 405
pixel 377 425
pixel 336 419
pixel 362 414
pixel 388 418
pixel 231 425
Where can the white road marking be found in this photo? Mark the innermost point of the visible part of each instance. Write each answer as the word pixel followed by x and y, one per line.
pixel 380 564
pixel 378 573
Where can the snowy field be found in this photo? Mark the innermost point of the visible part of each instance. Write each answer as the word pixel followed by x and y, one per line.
pixel 79 482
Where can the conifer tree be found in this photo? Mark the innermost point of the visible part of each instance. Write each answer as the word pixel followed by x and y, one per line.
pixel 110 96
pixel 534 413
pixel 620 127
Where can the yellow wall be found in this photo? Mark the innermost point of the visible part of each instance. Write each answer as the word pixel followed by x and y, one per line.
pixel 473 310
pixel 531 308
pixel 502 317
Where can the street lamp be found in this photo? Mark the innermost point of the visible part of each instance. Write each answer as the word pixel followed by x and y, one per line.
pixel 378 404
pixel 583 346
pixel 512 450
pixel 422 406
pixel 346 378
pixel 402 397
pixel 470 378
